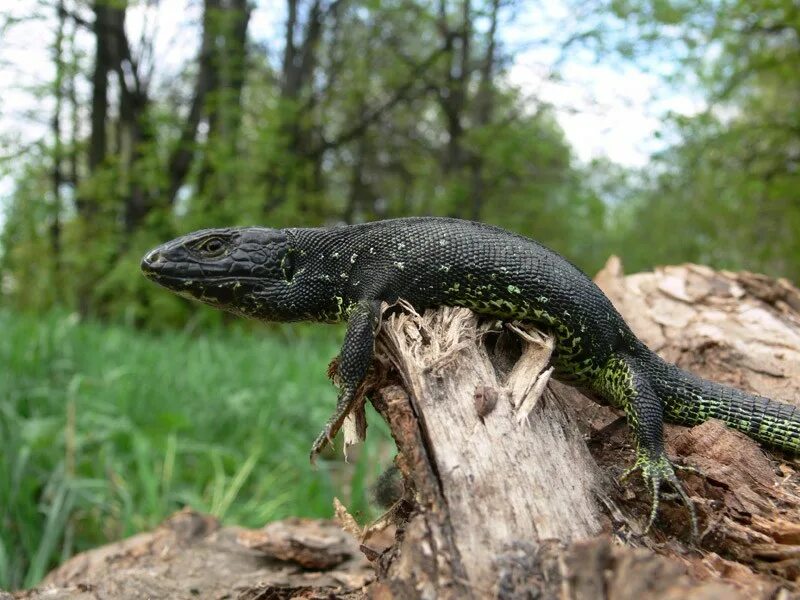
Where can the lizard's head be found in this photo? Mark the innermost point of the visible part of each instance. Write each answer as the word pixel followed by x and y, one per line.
pixel 244 270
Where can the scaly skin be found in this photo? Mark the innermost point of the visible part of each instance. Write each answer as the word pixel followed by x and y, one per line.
pixel 344 273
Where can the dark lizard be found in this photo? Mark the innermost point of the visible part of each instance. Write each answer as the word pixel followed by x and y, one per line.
pixel 345 273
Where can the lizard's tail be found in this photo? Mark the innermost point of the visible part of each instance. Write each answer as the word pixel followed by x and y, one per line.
pixel 690 400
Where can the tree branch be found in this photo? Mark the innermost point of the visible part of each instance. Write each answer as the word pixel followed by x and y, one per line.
pixel 400 94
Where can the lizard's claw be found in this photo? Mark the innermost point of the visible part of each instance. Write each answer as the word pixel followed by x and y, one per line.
pixel 655 471
pixel 344 405
pixel 687 468
pixel 324 438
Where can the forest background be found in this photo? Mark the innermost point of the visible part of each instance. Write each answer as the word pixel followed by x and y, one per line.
pixel 124 123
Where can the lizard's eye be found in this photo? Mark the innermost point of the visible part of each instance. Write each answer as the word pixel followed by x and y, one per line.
pixel 211 247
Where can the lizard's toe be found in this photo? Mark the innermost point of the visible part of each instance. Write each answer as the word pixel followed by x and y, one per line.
pixel 655 471
pixel 324 438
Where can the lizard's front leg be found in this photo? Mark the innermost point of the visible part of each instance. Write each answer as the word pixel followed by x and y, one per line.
pixel 354 362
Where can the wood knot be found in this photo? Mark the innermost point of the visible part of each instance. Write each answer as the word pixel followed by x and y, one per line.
pixel 485 399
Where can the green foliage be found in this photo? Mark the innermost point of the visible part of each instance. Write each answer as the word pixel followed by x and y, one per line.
pixel 105 431
pixel 726 193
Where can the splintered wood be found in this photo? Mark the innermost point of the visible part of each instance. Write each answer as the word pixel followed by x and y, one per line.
pixel 505 474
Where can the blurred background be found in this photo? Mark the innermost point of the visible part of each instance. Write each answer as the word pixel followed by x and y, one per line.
pixel 659 130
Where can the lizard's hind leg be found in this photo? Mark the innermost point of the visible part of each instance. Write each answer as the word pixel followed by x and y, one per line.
pixel 623 383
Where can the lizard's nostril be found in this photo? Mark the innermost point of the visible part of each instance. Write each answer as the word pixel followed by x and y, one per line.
pixel 151 261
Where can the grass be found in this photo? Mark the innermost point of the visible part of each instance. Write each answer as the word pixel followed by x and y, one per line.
pixel 105 431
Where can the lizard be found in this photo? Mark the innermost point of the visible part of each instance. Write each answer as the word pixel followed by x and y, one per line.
pixel 345 273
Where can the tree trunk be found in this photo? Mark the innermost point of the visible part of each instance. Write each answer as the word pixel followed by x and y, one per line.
pixel 105 56
pixel 224 71
pixel 483 114
pixel 58 150
pixel 181 157
pixel 454 92
pixel 75 113
pixel 300 165
pixel 136 131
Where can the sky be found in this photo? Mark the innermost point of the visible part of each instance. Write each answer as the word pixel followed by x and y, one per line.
pixel 607 109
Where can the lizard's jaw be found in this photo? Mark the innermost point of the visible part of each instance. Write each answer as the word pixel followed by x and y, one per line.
pixel 226 293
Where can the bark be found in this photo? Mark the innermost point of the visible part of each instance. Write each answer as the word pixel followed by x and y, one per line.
pixel 191 556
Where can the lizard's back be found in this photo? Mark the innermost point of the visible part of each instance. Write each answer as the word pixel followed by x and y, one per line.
pixel 433 261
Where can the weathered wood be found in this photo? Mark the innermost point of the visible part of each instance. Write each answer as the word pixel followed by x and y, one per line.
pixel 741 329
pixel 191 556
pixel 492 467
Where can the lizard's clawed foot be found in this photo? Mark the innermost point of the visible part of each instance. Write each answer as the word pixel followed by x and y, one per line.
pixel 324 438
pixel 334 424
pixel 655 471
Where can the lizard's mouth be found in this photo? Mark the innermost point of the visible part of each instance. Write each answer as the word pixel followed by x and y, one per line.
pixel 168 280
pixel 221 292
pixel 174 280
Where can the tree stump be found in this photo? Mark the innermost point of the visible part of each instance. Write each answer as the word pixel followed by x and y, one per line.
pixel 496 465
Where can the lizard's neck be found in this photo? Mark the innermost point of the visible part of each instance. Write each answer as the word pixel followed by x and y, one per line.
pixel 322 272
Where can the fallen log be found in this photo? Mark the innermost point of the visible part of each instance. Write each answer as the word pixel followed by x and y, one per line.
pixel 192 556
